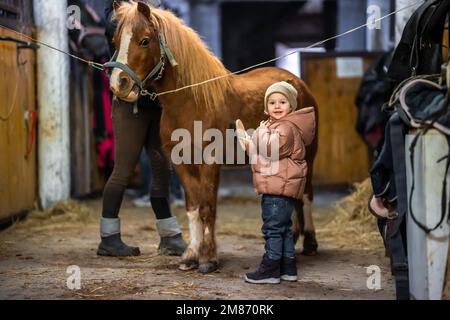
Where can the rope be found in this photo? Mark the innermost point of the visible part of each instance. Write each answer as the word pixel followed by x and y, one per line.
pixel 290 53
pixel 90 63
pixel 101 66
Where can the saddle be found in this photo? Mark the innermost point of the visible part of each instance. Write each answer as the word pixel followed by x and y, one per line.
pixel 419 50
pixel 422 103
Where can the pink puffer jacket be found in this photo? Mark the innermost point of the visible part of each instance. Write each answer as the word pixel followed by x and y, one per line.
pixel 283 173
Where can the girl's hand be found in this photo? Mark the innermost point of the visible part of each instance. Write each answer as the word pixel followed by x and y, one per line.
pixel 264 124
pixel 246 141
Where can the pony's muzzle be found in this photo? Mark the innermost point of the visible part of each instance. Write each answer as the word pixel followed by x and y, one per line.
pixel 124 83
pixel 124 87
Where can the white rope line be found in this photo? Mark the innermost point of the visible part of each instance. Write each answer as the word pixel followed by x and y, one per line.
pixel 91 63
pixel 100 67
pixel 290 53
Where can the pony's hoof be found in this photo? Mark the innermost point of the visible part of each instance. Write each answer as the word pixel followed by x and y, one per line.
pixel 310 244
pixel 208 267
pixel 187 265
pixel 309 253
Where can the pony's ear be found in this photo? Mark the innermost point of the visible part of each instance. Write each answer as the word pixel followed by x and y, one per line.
pixel 116 5
pixel 290 81
pixel 144 9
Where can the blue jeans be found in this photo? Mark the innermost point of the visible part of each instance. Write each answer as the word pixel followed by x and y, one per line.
pixel 277 226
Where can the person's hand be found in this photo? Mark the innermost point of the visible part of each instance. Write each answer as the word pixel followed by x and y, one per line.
pixel 246 141
pixel 264 124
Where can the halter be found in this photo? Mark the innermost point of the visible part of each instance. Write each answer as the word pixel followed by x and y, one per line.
pixel 157 70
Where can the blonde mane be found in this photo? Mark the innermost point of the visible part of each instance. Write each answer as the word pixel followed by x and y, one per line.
pixel 196 63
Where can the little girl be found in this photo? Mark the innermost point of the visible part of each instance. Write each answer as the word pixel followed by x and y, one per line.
pixel 280 176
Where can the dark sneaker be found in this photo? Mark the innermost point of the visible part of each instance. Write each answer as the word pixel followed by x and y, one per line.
pixel 268 272
pixel 289 269
pixel 113 246
pixel 172 246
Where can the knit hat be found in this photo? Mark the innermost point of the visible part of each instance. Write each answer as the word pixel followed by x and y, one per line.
pixel 284 88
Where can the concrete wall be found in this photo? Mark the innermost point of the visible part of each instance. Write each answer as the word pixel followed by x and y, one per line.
pixel 205 18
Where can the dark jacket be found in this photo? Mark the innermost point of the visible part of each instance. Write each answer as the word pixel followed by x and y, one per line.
pixel 419 50
pixel 110 26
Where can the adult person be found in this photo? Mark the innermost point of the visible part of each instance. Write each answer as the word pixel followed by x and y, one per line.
pixel 132 133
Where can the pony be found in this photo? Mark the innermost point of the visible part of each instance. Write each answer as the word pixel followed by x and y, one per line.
pixel 155 45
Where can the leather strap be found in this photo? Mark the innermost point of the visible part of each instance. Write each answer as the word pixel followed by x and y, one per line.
pixel 397 243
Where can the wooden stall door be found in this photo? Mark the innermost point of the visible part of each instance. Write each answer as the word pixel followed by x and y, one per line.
pixel 17 107
pixel 334 80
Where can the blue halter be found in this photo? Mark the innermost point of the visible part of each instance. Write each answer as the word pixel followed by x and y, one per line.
pixel 157 70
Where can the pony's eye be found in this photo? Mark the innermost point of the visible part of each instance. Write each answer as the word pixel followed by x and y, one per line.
pixel 145 42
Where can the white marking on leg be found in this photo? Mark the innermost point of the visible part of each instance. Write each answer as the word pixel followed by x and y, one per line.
pixel 307 212
pixel 122 57
pixel 195 229
pixel 207 232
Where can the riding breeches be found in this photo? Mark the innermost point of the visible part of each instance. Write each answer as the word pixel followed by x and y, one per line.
pixel 132 132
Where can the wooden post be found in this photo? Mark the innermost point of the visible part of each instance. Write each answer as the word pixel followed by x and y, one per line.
pixel 427 254
pixel 53 102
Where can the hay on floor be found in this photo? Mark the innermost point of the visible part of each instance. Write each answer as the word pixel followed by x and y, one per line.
pixel 353 225
pixel 62 214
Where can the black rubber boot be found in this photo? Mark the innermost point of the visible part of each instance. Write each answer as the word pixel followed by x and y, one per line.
pixel 268 272
pixel 172 246
pixel 113 246
pixel 289 269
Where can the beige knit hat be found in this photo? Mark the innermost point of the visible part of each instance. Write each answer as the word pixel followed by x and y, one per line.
pixel 284 88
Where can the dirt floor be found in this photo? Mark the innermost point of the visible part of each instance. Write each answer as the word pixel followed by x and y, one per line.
pixel 35 255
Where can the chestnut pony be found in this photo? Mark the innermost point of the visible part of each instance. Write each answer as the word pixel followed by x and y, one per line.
pixel 147 36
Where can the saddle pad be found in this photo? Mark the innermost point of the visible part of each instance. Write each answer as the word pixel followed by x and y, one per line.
pixel 419 100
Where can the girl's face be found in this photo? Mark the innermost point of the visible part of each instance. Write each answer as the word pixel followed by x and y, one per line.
pixel 278 106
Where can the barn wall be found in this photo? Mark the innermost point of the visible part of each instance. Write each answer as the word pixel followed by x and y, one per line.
pixel 17 106
pixel 343 158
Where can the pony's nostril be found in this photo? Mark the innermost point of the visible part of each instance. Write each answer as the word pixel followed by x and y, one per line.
pixel 123 82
